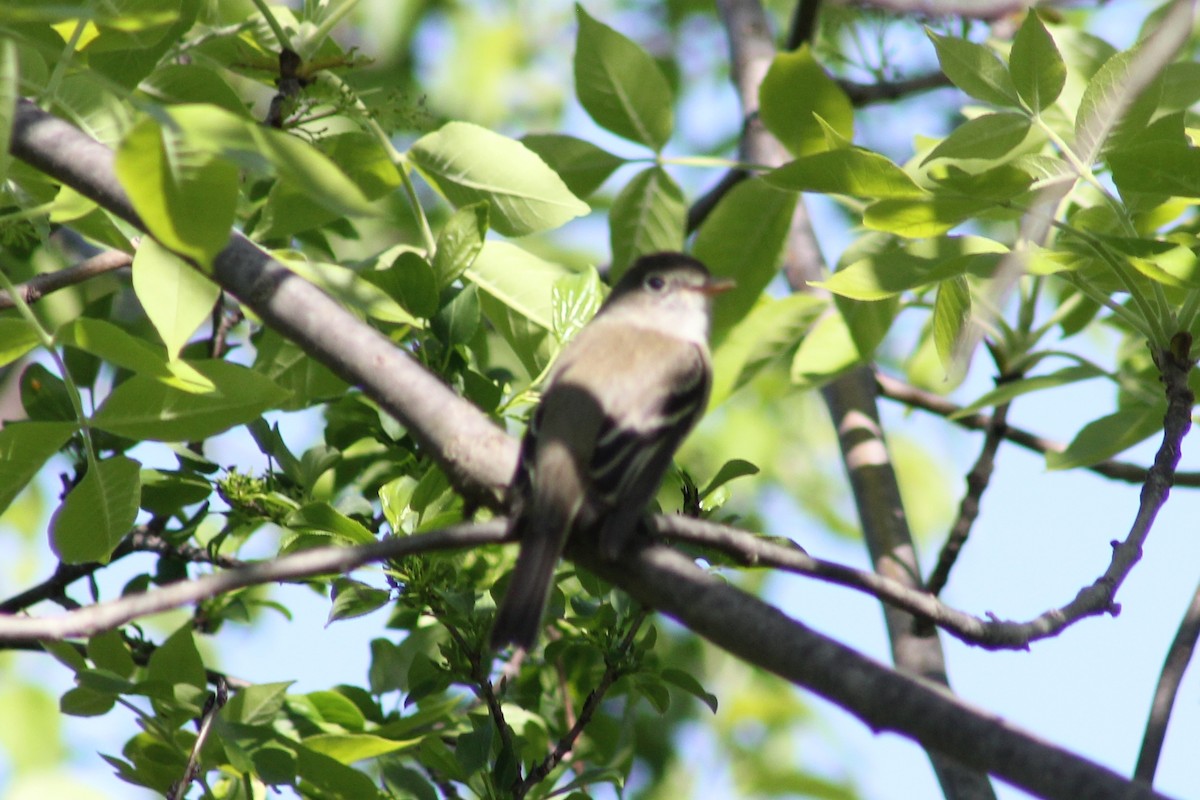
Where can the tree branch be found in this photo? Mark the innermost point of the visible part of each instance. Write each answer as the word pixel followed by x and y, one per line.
pixel 39 286
pixel 884 699
pixel 476 455
pixel 320 561
pixel 850 400
pixel 913 397
pixel 968 509
pixel 1178 657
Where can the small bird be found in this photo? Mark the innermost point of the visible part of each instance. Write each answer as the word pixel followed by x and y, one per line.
pixel 618 402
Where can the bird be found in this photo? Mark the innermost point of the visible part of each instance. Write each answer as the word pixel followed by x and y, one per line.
pixel 619 400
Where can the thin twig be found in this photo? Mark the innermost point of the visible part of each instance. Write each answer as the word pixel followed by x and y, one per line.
pixel 803 24
pixel 39 286
pixel 913 397
pixel 968 508
pixel 144 538
pixel 612 671
pixel 1178 658
pixel 216 701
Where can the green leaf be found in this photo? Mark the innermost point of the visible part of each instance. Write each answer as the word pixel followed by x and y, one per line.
pixel 772 328
pixel 81 702
pixel 98 512
pixel 1010 390
pixel 457 321
pixel 166 492
pixel 1115 107
pixel 17 337
pixel 868 323
pixel 1037 68
pixel 1161 168
pixel 175 84
pixel 459 243
pixel 184 193
pixel 355 599
pixel 108 651
pixel 518 279
pixel 826 352
pixel 259 704
pixel 330 778
pixel 177 660
pixel 688 682
pixel 848 170
pixel 354 291
pixel 731 470
pixel 176 298
pixel 796 96
pixel 409 280
pixel 620 85
pixel 144 408
pixel 991 136
pixel 1106 437
pixel 922 217
pixel 576 299
pixel 120 348
pixel 582 165
pixel 349 748
pixel 324 518
pixel 469 164
pixel 951 312
pixel 892 270
pixel 24 447
pixel 44 395
pixel 649 215
pixel 743 239
pixel 10 92
pixel 975 69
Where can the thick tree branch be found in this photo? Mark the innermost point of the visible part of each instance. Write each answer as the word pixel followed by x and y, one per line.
pixel 884 699
pixel 478 457
pixel 850 399
pixel 913 397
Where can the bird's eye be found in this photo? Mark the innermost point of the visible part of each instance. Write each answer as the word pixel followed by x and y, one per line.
pixel 655 283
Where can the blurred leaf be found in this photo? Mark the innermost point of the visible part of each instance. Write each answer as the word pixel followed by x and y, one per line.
pixel 44 395
pixel 518 279
pixel 176 298
pixel 648 216
pixel 1106 437
pixel 922 217
pixel 795 89
pixel 1009 390
pixel 144 408
pixel 177 660
pixel 951 312
pixel 470 164
pixel 24 448
pixel 771 329
pixel 184 193
pixel 17 337
pixel 323 517
pixel 576 298
pixel 349 748
pixel 355 599
pixel 620 85
pixel 743 239
pixel 98 512
pixel 847 170
pixel 1115 106
pixel 1157 168
pixel 730 470
pixel 123 349
pixel 827 351
pixel 456 322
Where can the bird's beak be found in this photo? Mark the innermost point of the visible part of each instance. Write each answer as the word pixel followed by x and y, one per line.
pixel 716 286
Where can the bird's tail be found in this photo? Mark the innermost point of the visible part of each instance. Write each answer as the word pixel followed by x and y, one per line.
pixel 520 615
